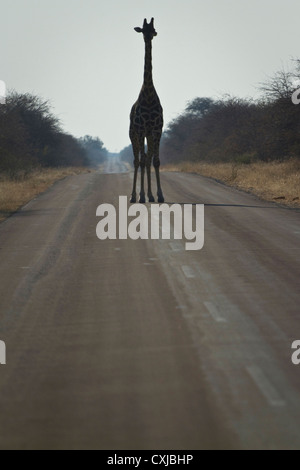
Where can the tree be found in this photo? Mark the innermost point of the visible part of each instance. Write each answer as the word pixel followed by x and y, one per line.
pixel 31 137
pixel 126 155
pixel 17 154
pixel 94 147
pixel 42 127
pixel 278 87
pixel 199 106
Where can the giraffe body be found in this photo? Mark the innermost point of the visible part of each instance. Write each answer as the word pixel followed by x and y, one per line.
pixel 146 123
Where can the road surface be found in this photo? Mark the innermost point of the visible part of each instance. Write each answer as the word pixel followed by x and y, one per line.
pixel 123 344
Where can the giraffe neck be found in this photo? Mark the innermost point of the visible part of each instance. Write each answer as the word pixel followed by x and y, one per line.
pixel 148 82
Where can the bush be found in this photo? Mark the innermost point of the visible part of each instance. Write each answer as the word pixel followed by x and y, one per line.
pixel 237 130
pixel 31 137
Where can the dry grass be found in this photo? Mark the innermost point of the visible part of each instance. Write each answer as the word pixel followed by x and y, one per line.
pixel 14 194
pixel 277 181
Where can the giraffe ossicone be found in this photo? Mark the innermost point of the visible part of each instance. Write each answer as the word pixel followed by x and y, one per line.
pixel 146 123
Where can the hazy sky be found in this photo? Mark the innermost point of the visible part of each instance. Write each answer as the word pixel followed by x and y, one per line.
pixel 85 57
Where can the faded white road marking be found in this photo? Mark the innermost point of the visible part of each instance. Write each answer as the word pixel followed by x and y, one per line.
pixel 265 386
pixel 188 272
pixel 214 311
pixel 175 246
pixel 205 276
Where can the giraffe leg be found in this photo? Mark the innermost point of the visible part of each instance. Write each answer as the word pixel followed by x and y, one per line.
pixel 156 164
pixel 133 194
pixel 142 199
pixel 136 163
pixel 148 166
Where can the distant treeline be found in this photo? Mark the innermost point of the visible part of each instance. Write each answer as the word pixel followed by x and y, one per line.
pixel 126 154
pixel 236 130
pixel 31 137
pixel 240 130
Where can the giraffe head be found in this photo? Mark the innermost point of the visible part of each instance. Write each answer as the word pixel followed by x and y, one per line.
pixel 147 30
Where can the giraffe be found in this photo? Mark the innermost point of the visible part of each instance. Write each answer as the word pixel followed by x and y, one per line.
pixel 146 122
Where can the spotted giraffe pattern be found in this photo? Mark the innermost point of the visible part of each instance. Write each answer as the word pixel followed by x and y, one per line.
pixel 146 122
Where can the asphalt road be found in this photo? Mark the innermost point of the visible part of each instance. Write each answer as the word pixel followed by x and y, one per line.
pixel 123 344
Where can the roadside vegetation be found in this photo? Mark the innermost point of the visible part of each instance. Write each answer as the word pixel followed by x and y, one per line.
pixel 277 181
pixel 14 193
pixel 253 145
pixel 35 151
